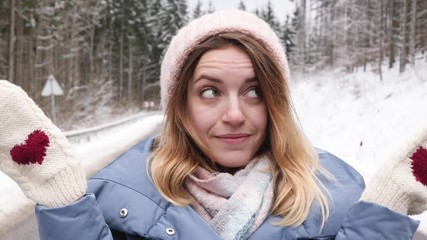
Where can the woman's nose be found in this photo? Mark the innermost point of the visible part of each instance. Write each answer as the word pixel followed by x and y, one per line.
pixel 233 113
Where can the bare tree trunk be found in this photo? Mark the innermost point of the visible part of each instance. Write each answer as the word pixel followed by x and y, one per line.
pixel 412 33
pixel 349 35
pixel 144 77
pixel 380 59
pixel 12 41
pixel 92 68
pixel 73 45
pixel 346 10
pixel 21 55
pixel 404 50
pixel 332 41
pixel 110 51
pixel 121 59
pixel 302 35
pixel 307 33
pixel 390 35
pixel 130 72
pixel 367 37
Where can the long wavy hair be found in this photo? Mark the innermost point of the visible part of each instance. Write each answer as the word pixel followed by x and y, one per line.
pixel 295 165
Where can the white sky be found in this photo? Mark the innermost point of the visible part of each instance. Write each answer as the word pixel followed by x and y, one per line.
pixel 281 7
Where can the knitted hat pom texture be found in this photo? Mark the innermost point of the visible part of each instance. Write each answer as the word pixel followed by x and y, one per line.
pixel 209 25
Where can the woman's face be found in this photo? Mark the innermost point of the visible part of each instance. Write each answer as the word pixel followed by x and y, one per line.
pixel 226 108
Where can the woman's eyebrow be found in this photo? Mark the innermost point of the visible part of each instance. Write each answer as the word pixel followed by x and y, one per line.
pixel 217 80
pixel 252 79
pixel 208 77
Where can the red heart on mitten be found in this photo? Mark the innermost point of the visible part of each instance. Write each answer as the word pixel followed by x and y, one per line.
pixel 33 150
pixel 419 165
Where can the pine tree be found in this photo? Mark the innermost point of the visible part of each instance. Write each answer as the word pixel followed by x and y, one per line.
pixel 197 12
pixel 173 17
pixel 268 15
pixel 242 6
pixel 211 8
pixel 288 37
pixel 298 58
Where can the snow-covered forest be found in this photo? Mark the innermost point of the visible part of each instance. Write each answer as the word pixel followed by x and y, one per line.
pixel 106 53
pixel 359 71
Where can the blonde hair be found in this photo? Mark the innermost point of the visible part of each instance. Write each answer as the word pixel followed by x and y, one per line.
pixel 295 163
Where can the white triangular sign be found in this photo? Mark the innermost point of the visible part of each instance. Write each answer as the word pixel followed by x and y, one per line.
pixel 52 87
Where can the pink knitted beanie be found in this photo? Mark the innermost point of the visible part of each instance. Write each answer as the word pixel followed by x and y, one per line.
pixel 209 25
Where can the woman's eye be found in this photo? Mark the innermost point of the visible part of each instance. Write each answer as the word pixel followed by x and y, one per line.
pixel 210 93
pixel 254 93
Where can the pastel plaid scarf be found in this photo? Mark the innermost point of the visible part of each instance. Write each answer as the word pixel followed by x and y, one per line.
pixel 233 205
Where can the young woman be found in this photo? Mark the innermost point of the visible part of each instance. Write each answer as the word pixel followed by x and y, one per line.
pixel 230 163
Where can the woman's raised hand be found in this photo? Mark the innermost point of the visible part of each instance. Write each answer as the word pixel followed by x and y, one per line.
pixel 401 184
pixel 35 153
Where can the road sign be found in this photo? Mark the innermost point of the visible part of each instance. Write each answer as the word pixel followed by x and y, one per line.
pixel 52 87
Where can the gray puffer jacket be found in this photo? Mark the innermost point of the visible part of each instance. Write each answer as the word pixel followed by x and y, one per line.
pixel 122 203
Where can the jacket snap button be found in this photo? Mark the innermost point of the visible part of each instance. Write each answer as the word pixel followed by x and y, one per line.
pixel 123 212
pixel 170 231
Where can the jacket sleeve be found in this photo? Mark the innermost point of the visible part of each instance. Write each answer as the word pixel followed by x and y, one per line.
pixel 367 220
pixel 354 219
pixel 82 219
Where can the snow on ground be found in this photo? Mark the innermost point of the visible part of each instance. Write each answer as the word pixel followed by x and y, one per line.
pixel 358 117
pixel 361 119
pixel 355 116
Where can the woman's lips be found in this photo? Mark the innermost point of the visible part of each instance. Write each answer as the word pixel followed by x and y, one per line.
pixel 237 138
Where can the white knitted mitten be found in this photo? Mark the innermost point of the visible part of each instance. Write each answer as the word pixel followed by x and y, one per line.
pixel 35 153
pixel 401 184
